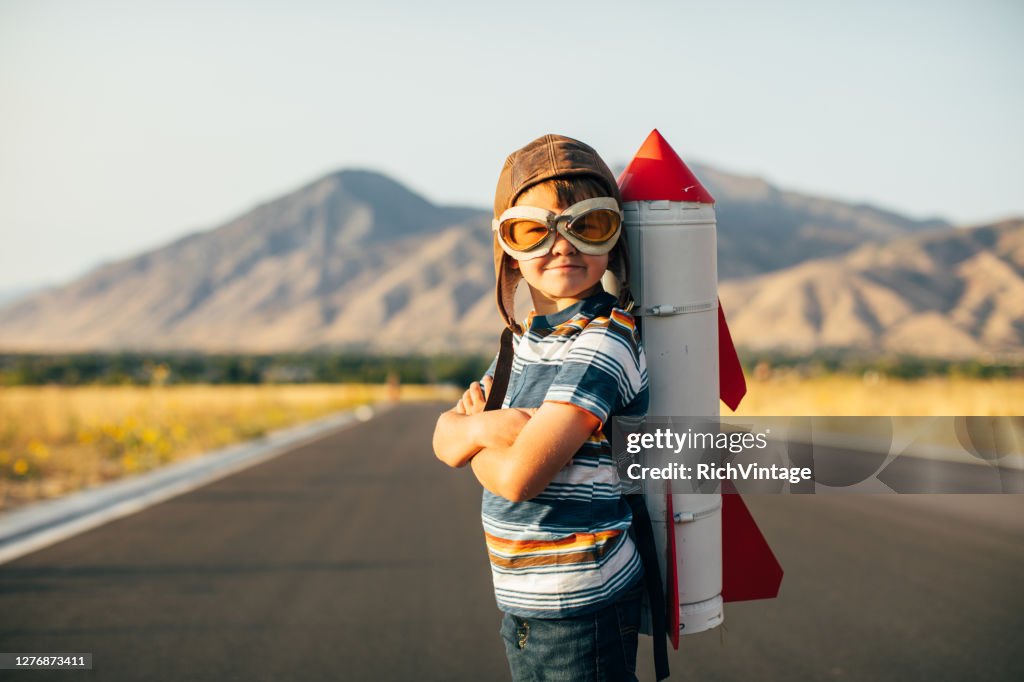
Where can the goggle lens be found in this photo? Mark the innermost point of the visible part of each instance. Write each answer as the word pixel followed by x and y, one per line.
pixel 522 234
pixel 595 226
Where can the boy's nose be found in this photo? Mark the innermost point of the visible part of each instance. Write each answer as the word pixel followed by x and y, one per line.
pixel 562 246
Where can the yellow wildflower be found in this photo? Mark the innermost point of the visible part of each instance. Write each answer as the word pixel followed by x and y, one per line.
pixel 38 450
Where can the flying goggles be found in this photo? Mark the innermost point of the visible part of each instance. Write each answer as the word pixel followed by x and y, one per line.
pixel 592 226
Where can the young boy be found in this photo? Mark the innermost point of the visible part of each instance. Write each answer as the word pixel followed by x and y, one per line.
pixel 566 571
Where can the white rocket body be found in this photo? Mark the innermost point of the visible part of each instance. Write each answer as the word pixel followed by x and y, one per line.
pixel 674 280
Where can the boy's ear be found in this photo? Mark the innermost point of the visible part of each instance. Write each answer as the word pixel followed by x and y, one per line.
pixel 513 263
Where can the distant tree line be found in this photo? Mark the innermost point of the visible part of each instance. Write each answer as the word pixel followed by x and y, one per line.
pixel 171 368
pixel 178 368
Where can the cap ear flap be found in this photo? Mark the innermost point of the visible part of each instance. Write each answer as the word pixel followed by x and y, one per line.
pixel 506 284
pixel 618 266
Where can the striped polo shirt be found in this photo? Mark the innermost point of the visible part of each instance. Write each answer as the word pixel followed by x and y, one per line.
pixel 567 551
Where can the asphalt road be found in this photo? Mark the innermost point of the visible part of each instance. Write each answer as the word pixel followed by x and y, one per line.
pixel 360 557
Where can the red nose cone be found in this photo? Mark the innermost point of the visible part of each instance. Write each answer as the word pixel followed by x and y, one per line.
pixel 657 173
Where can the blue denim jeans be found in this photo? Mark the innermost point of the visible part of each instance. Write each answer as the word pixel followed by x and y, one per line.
pixel 599 646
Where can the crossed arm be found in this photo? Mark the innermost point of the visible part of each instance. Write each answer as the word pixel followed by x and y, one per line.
pixel 514 453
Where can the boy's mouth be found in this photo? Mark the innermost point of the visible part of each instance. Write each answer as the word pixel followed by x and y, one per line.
pixel 564 266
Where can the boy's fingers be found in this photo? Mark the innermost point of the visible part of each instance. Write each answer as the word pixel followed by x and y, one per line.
pixel 476 393
pixel 487 381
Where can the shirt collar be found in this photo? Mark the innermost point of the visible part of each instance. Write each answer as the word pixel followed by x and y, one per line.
pixel 589 307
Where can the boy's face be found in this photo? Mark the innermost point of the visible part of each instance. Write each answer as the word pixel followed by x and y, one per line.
pixel 562 276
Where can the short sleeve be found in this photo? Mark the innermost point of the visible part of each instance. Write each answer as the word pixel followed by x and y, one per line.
pixel 605 371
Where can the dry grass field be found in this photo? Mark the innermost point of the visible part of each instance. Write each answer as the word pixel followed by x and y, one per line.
pixel 54 439
pixel 58 439
pixel 914 405
pixel 875 395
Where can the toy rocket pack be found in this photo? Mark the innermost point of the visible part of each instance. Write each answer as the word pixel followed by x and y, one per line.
pixel 712 550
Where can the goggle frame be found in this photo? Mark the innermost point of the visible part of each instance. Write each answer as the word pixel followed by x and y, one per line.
pixel 559 223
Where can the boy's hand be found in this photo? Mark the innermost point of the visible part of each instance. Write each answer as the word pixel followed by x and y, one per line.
pixel 474 399
pixel 501 427
pixel 547 441
pixel 464 430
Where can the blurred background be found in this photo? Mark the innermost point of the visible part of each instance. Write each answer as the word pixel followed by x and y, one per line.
pixel 285 206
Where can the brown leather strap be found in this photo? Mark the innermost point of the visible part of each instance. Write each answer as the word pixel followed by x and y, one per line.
pixel 502 371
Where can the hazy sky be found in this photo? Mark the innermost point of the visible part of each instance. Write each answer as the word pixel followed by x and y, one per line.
pixel 125 124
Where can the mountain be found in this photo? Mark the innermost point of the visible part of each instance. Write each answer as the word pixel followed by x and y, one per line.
pixel 355 260
pixel 351 259
pixel 957 292
pixel 13 294
pixel 763 228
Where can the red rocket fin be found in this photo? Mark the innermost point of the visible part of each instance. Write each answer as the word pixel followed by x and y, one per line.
pixel 749 567
pixel 732 385
pixel 672 588
pixel 657 173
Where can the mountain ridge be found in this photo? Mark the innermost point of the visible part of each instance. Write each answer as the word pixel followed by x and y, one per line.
pixel 354 259
pixel 954 293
